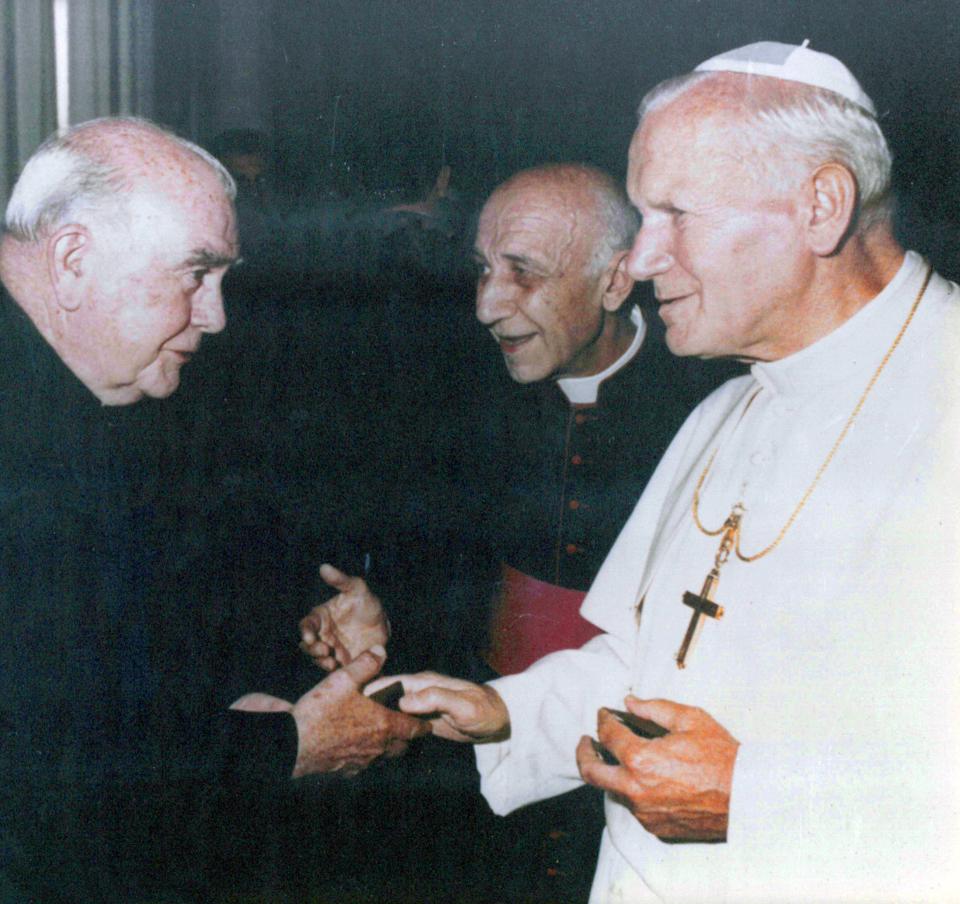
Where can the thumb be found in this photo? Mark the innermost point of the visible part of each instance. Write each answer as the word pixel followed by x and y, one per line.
pixel 261 703
pixel 367 665
pixel 334 577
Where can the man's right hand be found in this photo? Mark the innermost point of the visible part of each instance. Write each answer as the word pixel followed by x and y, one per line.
pixel 339 729
pixel 458 710
pixel 339 630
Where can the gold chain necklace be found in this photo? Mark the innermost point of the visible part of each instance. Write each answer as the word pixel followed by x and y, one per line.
pixel 703 604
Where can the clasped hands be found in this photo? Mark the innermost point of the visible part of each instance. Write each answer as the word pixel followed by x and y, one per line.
pixel 677 786
pixel 336 632
pixel 339 729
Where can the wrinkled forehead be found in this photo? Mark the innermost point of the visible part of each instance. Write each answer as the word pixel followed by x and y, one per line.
pixel 543 220
pixel 188 217
pixel 689 143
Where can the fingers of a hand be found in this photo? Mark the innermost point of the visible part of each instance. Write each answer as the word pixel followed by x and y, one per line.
pixel 261 703
pixel 341 654
pixel 619 739
pixel 593 770
pixel 672 716
pixel 319 627
pixel 442 728
pixel 325 625
pixel 419 681
pixel 316 648
pixel 365 667
pixel 410 683
pixel 464 710
pixel 310 626
pixel 610 725
pixel 382 682
pixel 400 725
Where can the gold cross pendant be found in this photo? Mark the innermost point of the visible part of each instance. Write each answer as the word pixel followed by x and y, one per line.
pixel 703 603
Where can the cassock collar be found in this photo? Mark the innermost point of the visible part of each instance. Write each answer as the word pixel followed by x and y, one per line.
pixel 584 390
pixel 31 365
pixel 856 345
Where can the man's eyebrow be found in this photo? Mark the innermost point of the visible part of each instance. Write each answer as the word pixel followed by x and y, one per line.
pixel 522 259
pixel 525 261
pixel 210 260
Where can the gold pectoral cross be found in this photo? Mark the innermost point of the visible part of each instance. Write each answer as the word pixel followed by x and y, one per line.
pixel 703 603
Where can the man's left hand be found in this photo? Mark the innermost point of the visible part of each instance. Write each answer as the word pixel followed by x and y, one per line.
pixel 678 785
pixel 335 633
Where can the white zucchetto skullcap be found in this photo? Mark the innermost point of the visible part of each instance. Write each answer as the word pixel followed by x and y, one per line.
pixel 794 64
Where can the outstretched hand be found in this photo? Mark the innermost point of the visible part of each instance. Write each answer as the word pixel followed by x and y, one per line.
pixel 339 630
pixel 339 729
pixel 457 710
pixel 677 786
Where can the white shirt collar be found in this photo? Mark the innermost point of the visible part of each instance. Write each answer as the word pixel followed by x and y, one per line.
pixel 584 390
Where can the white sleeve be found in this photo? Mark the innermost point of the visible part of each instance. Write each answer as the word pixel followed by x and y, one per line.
pixel 552 705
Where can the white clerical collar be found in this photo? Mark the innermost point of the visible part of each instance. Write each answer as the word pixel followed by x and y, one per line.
pixel 584 390
pixel 844 353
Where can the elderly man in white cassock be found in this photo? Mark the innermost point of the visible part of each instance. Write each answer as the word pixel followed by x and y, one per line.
pixel 783 600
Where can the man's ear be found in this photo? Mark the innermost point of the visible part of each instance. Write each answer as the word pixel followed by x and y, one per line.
pixel 832 207
pixel 67 252
pixel 618 283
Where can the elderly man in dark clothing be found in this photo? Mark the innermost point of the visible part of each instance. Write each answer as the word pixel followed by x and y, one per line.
pixel 119 753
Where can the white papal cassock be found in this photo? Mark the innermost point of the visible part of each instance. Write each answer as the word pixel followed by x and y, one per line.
pixel 836 662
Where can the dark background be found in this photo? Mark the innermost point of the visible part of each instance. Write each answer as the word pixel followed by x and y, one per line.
pixel 374 95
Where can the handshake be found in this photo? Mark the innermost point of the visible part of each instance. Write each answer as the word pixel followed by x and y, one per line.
pixel 343 724
pixel 670 764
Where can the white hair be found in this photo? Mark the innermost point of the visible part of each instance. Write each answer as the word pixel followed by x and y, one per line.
pixel 65 178
pixel 804 123
pixel 618 218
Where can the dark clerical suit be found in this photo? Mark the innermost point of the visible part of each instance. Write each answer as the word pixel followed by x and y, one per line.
pixel 118 752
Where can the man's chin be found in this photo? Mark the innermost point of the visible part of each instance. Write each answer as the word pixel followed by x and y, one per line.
pixel 160 384
pixel 526 373
pixel 681 343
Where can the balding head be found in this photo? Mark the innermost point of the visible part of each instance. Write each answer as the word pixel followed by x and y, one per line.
pixel 119 234
pixel 91 171
pixel 550 247
pixel 606 220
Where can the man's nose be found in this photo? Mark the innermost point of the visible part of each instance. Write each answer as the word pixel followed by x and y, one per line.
pixel 494 301
pixel 208 312
pixel 650 255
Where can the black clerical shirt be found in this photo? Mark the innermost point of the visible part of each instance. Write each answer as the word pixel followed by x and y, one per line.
pixel 115 749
